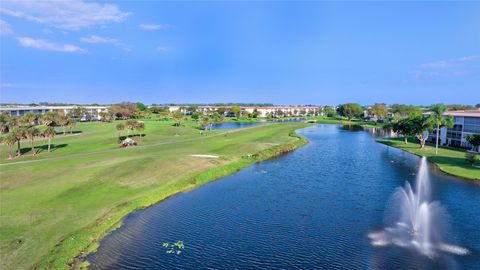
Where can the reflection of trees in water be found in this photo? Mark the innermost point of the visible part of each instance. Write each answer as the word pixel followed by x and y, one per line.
pixel 376 132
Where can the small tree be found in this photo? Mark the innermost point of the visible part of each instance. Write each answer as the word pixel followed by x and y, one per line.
pixel 71 125
pixel 471 157
pixel 130 125
pixel 205 122
pixel 140 127
pixel 50 133
pixel 120 127
pixel 236 111
pixel 474 140
pixel 379 110
pixel 350 110
pixel 195 116
pixel 63 122
pixel 177 117
pixel 421 126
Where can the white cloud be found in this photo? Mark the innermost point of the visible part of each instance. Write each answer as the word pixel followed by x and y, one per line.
pixel 93 39
pixel 5 28
pixel 96 39
pixel 65 14
pixel 162 49
pixel 445 68
pixel 7 85
pixel 154 27
pixel 45 45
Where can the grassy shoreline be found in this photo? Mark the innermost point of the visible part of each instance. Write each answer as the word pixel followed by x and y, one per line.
pixel 92 235
pixel 448 160
pixel 85 188
pixel 336 121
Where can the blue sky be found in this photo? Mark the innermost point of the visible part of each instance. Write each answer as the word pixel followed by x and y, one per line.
pixel 281 52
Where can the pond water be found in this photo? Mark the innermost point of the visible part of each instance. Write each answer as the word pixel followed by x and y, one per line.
pixel 231 125
pixel 311 209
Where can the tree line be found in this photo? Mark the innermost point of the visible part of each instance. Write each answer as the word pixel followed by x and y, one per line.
pixel 30 127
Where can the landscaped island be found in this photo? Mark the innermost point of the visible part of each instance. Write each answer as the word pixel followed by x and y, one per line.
pixel 451 161
pixel 56 205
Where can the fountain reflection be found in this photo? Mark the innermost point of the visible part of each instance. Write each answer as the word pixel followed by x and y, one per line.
pixel 414 221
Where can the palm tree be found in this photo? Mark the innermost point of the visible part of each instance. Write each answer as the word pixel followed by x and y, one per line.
pixel 71 125
pixel 9 140
pixel 120 127
pixel 6 122
pixel 31 133
pixel 50 118
pixel 19 134
pixel 130 125
pixel 140 127
pixel 49 133
pixel 63 122
pixel 440 121
pixel 28 119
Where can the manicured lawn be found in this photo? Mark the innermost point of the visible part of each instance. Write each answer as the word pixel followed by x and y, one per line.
pixel 55 204
pixel 451 161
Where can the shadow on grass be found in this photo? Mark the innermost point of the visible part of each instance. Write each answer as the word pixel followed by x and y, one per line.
pixel 121 138
pixel 41 148
pixel 68 132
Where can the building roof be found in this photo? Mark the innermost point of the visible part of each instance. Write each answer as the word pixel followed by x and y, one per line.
pixel 30 108
pixel 465 113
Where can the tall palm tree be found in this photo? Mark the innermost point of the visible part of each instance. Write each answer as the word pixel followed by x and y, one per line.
pixel 19 134
pixel 440 121
pixel 49 133
pixel 9 140
pixel 31 133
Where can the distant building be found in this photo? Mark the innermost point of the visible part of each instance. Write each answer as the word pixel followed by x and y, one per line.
pixel 91 113
pixel 466 122
pixel 263 111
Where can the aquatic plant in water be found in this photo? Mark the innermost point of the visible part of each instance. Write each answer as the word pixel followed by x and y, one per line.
pixel 174 248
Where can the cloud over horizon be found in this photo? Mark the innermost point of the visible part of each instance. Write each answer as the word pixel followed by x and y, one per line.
pixel 67 14
pixel 5 28
pixel 45 45
pixel 446 68
pixel 154 27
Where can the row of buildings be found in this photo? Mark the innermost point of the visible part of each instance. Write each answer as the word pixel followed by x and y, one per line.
pixel 262 111
pixel 466 122
pixel 91 112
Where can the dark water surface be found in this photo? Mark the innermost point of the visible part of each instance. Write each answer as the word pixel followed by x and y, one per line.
pixel 311 209
pixel 231 125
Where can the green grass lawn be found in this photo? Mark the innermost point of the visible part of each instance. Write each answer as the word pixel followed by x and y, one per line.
pixel 54 205
pixel 451 161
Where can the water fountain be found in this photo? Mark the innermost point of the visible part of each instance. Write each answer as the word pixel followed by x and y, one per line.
pixel 416 222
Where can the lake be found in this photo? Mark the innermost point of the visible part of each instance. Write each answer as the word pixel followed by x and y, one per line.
pixel 310 209
pixel 230 125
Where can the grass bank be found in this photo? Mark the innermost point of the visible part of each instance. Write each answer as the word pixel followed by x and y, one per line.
pixel 343 121
pixel 57 205
pixel 451 161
